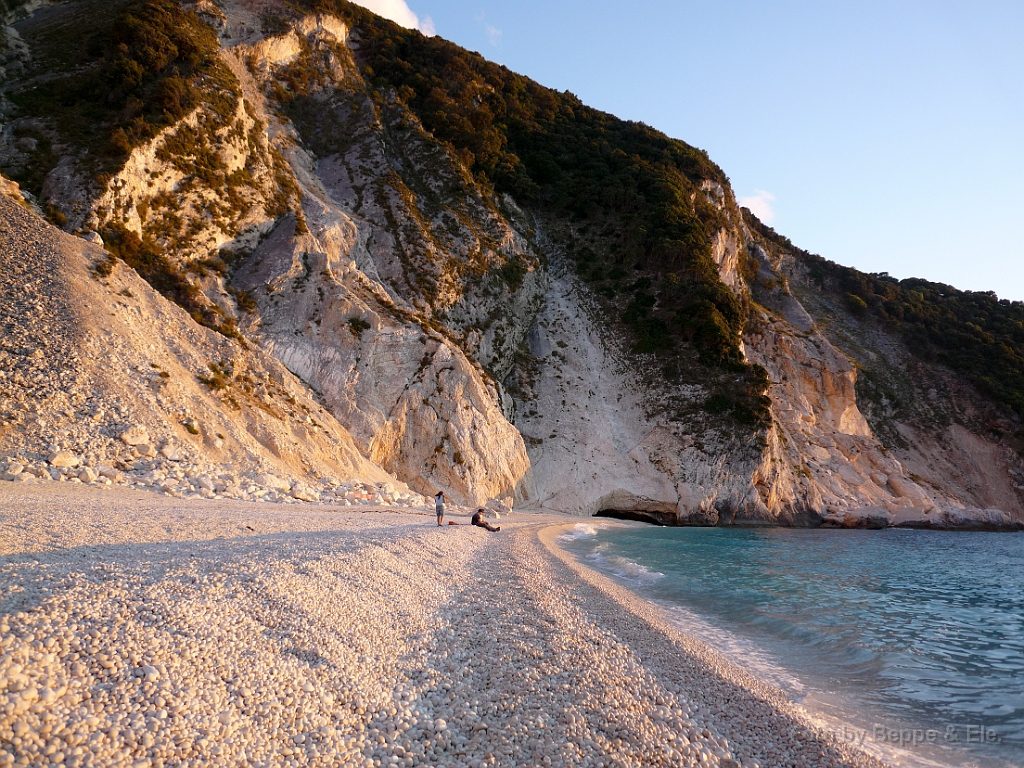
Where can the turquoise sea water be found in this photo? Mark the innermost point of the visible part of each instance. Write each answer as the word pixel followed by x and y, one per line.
pixel 915 637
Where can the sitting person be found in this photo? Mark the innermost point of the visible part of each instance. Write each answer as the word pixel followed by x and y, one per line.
pixel 478 520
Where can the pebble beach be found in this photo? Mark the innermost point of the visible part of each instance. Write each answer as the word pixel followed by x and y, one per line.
pixel 147 631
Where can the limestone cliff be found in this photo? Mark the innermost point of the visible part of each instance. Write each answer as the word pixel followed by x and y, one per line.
pixel 86 384
pixel 589 418
pixel 947 450
pixel 499 339
pixel 353 303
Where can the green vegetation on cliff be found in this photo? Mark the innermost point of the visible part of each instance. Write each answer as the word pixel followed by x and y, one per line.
pixel 150 260
pixel 106 77
pixel 625 200
pixel 974 333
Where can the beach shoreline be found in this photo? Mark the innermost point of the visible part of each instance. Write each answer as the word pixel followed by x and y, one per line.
pixel 141 630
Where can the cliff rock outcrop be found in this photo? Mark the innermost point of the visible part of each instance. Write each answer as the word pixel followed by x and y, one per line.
pixel 85 377
pixel 382 298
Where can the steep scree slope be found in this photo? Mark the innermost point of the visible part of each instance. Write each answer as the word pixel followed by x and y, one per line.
pixel 88 387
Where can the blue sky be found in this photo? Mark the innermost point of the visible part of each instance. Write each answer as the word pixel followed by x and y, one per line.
pixel 888 136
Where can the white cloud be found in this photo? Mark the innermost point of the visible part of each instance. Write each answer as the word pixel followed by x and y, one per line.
pixel 761 204
pixel 400 13
pixel 492 32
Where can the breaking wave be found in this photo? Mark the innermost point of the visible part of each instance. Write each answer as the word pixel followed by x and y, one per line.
pixel 623 567
pixel 580 531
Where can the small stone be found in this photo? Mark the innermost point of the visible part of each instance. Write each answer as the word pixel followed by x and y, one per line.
pixel 108 472
pixel 13 471
pixel 171 453
pixel 88 475
pixel 303 492
pixel 268 480
pixel 149 673
pixel 135 435
pixel 63 459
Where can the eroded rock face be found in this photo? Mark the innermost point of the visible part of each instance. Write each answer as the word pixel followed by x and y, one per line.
pixel 413 400
pixel 593 445
pixel 349 305
pixel 825 456
pixel 387 280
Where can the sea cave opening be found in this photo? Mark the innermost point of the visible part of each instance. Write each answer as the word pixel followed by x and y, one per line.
pixel 644 516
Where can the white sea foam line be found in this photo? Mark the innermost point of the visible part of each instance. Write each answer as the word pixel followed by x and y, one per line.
pixel 624 568
pixel 581 531
pixel 755 659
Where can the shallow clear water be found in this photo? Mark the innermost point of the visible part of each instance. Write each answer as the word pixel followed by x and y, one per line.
pixel 906 630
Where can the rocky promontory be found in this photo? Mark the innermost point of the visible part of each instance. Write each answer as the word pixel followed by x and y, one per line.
pixel 300 283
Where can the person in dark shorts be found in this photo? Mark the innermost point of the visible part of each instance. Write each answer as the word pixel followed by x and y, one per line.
pixel 478 520
pixel 439 507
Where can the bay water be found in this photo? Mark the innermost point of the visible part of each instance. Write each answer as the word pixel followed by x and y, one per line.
pixel 908 643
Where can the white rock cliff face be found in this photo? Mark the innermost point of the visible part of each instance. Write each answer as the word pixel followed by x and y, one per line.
pixel 415 403
pixel 338 308
pixel 594 446
pixel 401 293
pixel 585 424
pixel 827 459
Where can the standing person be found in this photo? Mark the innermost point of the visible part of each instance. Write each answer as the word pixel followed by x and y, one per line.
pixel 439 507
pixel 478 520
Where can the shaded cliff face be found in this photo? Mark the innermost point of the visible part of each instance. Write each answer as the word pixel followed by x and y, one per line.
pixel 527 298
pixel 598 443
pixel 952 438
pixel 934 461
pixel 594 413
pixel 392 295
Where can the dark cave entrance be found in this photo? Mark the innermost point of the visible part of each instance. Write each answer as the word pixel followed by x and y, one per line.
pixel 643 516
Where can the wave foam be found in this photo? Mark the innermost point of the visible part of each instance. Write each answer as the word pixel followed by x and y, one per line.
pixel 624 568
pixel 579 531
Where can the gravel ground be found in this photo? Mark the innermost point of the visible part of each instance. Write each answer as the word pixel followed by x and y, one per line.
pixel 137 630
